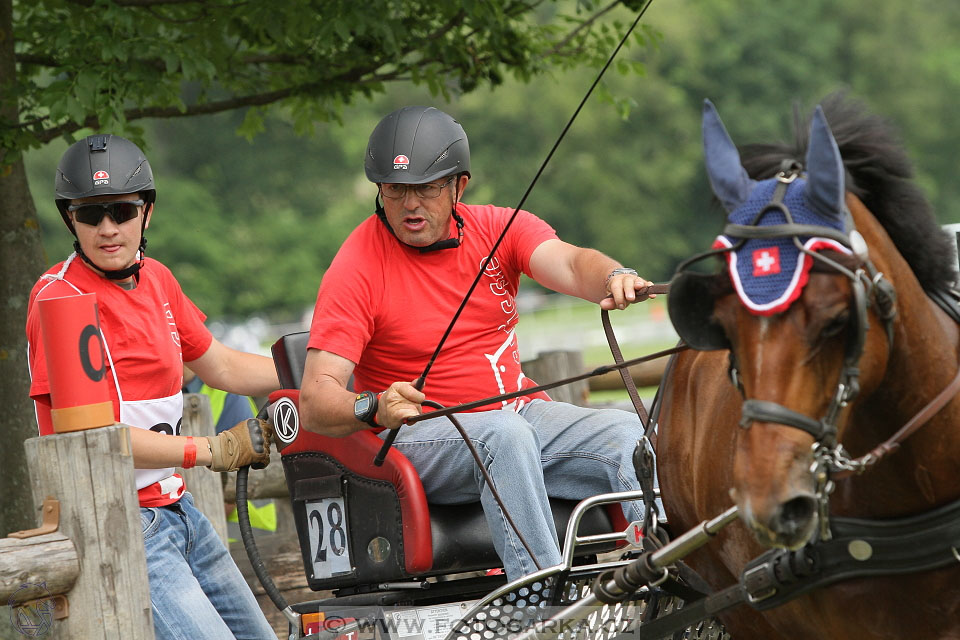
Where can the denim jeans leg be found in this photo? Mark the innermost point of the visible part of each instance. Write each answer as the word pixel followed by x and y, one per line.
pixel 587 451
pixel 221 580
pixel 181 610
pixel 510 450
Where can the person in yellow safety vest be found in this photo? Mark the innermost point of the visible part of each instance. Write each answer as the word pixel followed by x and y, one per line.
pixel 228 409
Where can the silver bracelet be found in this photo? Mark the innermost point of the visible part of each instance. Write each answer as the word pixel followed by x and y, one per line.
pixel 616 272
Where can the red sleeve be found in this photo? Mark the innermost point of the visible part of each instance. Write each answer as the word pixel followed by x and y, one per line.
pixel 351 289
pixel 525 234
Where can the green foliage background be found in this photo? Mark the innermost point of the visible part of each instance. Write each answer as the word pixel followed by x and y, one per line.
pixel 249 225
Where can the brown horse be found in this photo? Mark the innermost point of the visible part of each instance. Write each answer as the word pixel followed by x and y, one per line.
pixel 782 357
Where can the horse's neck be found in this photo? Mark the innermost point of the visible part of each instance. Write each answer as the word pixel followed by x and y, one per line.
pixel 924 360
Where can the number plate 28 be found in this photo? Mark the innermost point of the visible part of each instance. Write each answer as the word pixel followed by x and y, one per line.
pixel 329 538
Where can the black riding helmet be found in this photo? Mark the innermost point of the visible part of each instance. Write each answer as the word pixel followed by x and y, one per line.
pixel 416 145
pixel 99 165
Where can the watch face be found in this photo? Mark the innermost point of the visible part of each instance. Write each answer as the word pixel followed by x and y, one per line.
pixel 362 406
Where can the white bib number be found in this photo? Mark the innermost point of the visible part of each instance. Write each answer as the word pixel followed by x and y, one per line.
pixel 329 539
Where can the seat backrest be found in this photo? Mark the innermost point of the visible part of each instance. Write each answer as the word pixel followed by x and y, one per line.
pixel 289 357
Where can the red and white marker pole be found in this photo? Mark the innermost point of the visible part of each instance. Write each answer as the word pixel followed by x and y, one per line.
pixel 76 364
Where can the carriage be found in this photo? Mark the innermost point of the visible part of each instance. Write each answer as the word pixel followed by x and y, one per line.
pixel 793 522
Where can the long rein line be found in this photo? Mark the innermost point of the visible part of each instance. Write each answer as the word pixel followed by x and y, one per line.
pixel 607 368
pixel 496 245
pixel 421 381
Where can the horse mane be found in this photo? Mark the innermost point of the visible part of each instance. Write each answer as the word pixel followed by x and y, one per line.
pixel 880 174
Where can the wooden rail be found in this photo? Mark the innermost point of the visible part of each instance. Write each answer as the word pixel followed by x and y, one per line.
pixel 91 475
pixel 88 578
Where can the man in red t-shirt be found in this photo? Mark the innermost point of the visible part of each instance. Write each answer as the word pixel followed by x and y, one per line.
pixel 389 295
pixel 105 194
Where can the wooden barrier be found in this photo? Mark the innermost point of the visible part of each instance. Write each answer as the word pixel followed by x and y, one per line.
pixel 50 560
pixel 91 474
pixel 206 486
pixel 550 366
pixel 645 374
pixel 261 483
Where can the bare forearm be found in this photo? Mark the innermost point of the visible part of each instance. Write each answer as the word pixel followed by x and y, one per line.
pixel 591 269
pixel 250 375
pixel 327 408
pixel 152 450
pixel 235 371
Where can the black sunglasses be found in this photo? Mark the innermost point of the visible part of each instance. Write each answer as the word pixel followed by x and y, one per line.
pixel 92 212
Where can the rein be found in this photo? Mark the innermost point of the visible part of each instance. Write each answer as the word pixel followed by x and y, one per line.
pixel 846 467
pixel 476 404
pixel 421 381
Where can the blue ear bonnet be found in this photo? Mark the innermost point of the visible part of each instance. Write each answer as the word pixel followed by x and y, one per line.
pixel 769 273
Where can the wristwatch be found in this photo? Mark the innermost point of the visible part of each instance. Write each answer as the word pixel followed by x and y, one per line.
pixel 365 408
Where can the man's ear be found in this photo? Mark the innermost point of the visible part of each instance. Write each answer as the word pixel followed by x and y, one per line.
pixel 462 181
pixel 148 213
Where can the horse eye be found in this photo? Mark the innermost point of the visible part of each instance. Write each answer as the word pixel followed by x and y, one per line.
pixel 836 325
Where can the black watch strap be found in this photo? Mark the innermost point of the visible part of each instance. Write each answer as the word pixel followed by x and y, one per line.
pixel 365 408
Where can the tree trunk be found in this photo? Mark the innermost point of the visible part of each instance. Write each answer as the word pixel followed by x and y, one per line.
pixel 21 263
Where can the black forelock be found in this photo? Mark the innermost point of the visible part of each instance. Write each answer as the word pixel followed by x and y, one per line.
pixel 880 174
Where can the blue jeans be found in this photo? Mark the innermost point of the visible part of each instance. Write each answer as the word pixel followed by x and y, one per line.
pixel 196 590
pixel 547 449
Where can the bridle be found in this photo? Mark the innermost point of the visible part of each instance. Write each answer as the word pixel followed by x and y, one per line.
pixel 870 288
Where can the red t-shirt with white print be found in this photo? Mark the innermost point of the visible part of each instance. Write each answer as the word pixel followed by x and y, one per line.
pixel 384 306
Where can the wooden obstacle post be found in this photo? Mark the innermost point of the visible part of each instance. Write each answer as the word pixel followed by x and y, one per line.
pixel 550 366
pixel 205 485
pixel 645 374
pixel 90 473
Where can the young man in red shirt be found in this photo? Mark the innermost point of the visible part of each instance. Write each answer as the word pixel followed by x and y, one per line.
pixel 105 193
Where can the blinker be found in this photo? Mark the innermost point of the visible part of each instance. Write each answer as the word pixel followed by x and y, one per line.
pixel 690 306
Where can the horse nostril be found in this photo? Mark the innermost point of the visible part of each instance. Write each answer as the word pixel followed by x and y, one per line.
pixel 797 512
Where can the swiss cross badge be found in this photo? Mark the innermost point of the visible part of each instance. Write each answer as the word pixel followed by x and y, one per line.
pixel 766 261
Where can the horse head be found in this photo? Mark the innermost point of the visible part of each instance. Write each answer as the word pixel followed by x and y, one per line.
pixel 792 305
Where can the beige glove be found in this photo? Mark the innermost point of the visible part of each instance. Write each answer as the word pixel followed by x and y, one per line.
pixel 245 443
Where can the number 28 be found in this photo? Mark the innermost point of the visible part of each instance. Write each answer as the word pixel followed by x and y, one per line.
pixel 337 537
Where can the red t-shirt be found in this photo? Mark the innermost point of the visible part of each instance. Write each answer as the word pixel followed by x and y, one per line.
pixel 384 306
pixel 149 331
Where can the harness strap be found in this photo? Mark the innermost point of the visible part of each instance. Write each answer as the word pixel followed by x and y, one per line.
pixel 859 548
pixel 691 613
pixel 780 230
pixel 763 411
pixel 618 358
pixel 893 443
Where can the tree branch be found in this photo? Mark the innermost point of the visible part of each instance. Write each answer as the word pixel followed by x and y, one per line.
pixel 557 48
pixel 43 61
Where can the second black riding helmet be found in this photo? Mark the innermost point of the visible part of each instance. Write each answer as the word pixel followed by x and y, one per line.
pixel 415 145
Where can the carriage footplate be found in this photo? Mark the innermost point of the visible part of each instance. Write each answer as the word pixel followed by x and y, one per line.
pixel 545 608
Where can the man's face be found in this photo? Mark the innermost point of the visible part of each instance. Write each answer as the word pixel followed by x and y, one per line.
pixel 417 220
pixel 109 244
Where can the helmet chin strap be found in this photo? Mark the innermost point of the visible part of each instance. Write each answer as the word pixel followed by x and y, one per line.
pixel 449 243
pixel 119 274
